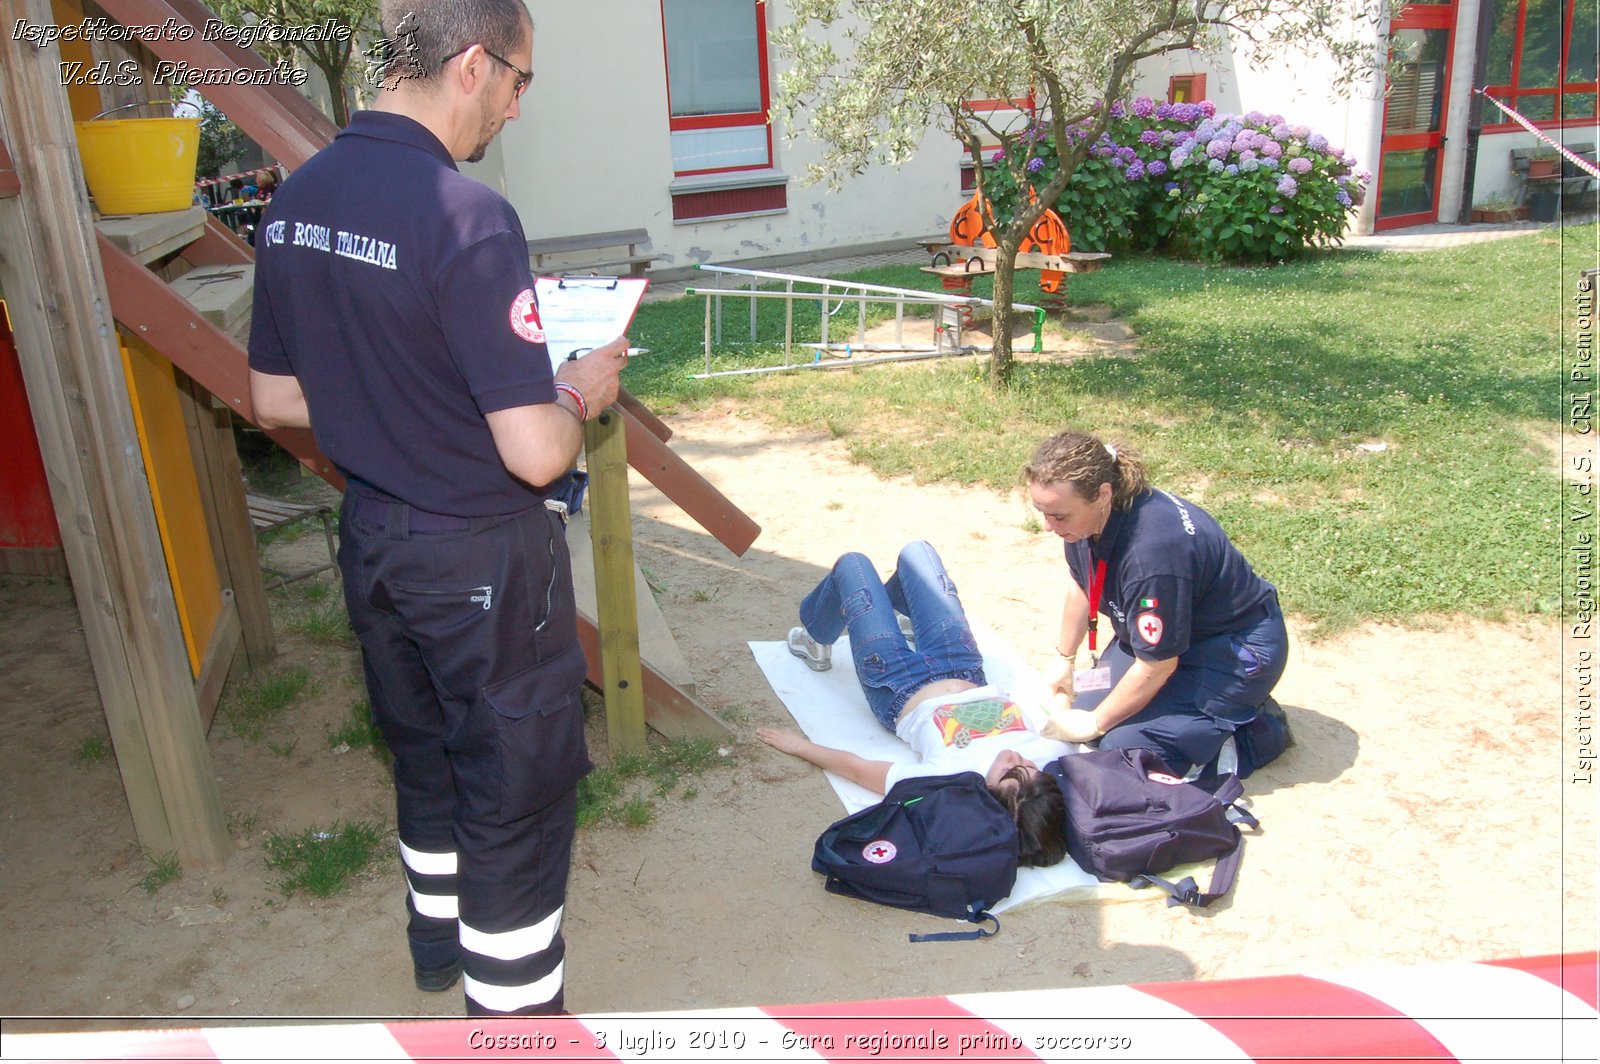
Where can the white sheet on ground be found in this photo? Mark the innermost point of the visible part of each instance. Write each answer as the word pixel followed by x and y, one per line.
pixel 832 710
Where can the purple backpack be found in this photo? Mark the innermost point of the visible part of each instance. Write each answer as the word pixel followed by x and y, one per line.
pixel 1130 819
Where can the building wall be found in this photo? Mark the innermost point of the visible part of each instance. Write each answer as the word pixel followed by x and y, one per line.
pixel 592 153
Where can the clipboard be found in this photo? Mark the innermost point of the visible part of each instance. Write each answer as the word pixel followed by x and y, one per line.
pixel 583 312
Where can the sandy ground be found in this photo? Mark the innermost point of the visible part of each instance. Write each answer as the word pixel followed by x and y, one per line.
pixel 1424 815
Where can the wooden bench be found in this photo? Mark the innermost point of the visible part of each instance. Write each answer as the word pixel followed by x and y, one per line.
pixel 625 247
pixel 267 514
pixel 1575 182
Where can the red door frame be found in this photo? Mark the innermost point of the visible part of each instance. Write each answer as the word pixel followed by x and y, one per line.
pixel 1421 17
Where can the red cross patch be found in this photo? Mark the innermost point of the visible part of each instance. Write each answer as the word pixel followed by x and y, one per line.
pixel 1149 626
pixel 525 317
pixel 879 851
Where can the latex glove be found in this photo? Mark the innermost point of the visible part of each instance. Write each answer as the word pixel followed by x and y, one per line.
pixel 1073 726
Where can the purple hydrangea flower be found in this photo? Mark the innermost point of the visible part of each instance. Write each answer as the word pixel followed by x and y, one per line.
pixel 1247 156
pixel 1151 137
pixel 1135 171
pixel 1117 110
pixel 1300 165
pixel 998 156
pixel 1179 157
pixel 1363 176
pixel 1171 187
pixel 1317 142
pixel 1271 149
pixel 1126 155
pixel 1250 165
pixel 1219 148
pixel 1231 169
pixel 1214 165
pixel 1276 208
pixel 1244 141
pixel 1035 164
pixel 1301 132
pixel 1343 197
pixel 1144 107
pixel 1254 118
pixel 1269 163
pixel 1105 150
pixel 1281 131
pixel 1207 108
pixel 1288 186
pixel 1155 168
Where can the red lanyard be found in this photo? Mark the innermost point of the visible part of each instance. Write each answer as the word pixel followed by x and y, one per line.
pixel 1097 583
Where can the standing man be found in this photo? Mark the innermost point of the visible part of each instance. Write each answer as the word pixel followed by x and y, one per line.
pixel 394 314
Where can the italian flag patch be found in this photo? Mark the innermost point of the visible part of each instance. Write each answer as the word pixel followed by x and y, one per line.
pixel 1148 604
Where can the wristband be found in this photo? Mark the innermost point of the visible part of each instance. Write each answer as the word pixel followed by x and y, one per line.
pixel 577 397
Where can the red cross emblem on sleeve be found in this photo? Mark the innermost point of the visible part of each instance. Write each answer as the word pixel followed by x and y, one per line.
pixel 1149 626
pixel 525 317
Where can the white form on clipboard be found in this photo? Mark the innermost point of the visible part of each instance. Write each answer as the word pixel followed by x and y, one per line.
pixel 579 313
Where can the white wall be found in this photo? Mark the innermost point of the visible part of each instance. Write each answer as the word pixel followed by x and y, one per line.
pixel 591 153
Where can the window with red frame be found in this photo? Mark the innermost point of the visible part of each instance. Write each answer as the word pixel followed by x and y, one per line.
pixel 1186 88
pixel 1542 60
pixel 717 90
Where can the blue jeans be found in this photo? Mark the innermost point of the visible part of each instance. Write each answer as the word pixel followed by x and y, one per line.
pixel 853 597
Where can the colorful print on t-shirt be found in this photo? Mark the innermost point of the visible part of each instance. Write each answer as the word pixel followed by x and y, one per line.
pixel 963 722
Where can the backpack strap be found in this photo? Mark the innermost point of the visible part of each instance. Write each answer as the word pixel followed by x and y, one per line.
pixel 959 936
pixel 1187 892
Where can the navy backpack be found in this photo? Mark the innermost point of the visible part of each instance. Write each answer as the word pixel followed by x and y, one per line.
pixel 935 844
pixel 1130 819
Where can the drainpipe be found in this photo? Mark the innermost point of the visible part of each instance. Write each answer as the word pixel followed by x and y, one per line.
pixel 1480 64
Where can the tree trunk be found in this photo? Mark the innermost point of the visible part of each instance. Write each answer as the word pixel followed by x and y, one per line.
pixel 1005 278
pixel 339 105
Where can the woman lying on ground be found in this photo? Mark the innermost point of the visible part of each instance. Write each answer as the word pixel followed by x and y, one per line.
pixel 933 696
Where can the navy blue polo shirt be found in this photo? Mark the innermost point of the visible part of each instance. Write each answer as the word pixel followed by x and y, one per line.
pixel 1173 577
pixel 397 290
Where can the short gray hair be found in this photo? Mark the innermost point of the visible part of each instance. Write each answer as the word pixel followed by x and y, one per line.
pixel 422 34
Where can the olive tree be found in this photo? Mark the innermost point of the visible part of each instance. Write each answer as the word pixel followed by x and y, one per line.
pixel 867 79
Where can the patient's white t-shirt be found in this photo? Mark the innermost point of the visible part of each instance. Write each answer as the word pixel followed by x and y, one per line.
pixel 966 731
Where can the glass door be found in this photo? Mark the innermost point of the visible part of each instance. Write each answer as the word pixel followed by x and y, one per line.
pixel 1412 149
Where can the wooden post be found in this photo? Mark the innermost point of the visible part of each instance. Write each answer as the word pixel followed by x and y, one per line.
pixel 611 529
pixel 66 339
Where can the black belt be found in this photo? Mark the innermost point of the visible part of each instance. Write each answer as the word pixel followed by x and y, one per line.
pixel 376 511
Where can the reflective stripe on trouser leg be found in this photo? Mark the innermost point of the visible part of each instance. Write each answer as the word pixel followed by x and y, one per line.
pixel 513 884
pixel 431 878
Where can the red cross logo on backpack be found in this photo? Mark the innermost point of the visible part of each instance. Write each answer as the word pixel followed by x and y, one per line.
pixel 879 851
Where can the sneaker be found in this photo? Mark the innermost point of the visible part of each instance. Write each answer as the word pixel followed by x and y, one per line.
pixel 1271 708
pixel 817 657
pixel 437 980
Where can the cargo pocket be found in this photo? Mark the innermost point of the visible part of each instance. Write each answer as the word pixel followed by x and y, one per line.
pixel 538 719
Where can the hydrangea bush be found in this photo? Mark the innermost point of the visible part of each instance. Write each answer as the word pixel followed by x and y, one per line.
pixel 1236 188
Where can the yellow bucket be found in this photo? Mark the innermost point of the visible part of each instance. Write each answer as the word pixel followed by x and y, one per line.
pixel 140 165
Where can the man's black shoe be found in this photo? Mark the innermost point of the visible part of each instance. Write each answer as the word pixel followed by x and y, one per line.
pixel 437 980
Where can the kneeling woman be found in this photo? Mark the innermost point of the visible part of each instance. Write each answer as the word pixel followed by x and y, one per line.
pixel 1199 639
pixel 933 696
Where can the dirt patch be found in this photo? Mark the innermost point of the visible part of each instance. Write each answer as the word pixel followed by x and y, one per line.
pixel 1425 814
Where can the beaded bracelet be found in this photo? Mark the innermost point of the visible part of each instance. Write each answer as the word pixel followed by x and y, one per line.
pixel 577 397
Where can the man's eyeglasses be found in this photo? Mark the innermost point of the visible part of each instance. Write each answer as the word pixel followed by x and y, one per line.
pixel 524 77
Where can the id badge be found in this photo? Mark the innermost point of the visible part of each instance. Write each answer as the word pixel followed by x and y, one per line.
pixel 1092 679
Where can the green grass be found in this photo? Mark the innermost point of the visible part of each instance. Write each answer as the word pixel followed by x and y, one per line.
pixel 315 610
pixel 252 707
pixel 1254 388
pixel 622 791
pixel 321 861
pixel 357 730
pixel 92 750
pixel 164 869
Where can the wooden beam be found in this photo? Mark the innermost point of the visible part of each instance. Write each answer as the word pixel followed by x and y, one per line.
pixel 678 481
pixel 151 310
pixel 666 709
pixel 233 540
pixel 272 119
pixel 606 447
pixel 49 267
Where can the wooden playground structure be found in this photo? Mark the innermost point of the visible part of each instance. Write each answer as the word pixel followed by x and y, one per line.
pixel 129 337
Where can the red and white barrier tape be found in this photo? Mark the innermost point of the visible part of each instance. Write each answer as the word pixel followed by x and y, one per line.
pixel 1531 1009
pixel 1572 157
